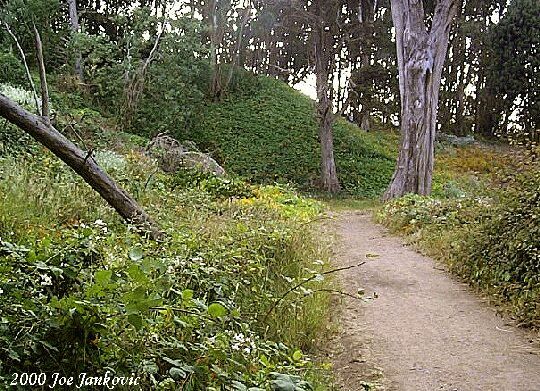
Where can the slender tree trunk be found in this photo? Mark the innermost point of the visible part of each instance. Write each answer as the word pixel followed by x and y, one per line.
pixel 215 86
pixel 325 113
pixel 81 162
pixel 45 112
pixel 366 17
pixel 421 53
pixel 74 25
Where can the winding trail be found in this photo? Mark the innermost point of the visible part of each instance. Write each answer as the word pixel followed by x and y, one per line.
pixel 423 330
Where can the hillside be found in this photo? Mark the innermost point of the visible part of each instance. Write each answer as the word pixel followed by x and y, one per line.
pixel 267 131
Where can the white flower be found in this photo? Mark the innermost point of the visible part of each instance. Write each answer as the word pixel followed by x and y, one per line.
pixel 45 280
pixel 110 160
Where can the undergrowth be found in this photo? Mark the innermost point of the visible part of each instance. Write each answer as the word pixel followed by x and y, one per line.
pixel 82 292
pixel 268 133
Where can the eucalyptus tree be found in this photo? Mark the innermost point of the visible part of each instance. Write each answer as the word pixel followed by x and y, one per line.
pixel 467 102
pixel 323 17
pixel 421 51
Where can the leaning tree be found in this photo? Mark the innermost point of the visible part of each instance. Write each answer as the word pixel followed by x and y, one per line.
pixel 422 43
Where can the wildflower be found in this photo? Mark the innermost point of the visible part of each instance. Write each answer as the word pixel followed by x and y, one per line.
pixel 45 280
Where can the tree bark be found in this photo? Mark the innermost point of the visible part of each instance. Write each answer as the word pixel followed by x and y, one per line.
pixel 325 113
pixel 421 53
pixel 81 162
pixel 74 25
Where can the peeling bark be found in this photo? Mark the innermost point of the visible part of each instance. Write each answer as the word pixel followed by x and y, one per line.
pixel 325 113
pixel 421 53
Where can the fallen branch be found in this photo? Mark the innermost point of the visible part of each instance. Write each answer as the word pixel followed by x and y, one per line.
pixel 81 162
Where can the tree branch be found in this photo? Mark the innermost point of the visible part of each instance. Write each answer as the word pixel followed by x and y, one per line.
pixel 82 163
pixel 43 78
pixel 305 281
pixel 28 75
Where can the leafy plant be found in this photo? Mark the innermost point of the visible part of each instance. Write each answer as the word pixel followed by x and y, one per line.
pixel 81 292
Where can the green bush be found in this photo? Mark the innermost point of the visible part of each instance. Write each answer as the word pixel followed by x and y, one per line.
pixel 12 69
pixel 505 254
pixel 217 187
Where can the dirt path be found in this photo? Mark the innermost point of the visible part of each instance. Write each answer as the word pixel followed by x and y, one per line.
pixel 424 331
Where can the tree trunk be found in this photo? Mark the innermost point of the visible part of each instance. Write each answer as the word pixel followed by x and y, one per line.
pixel 421 53
pixel 81 162
pixel 366 18
pixel 325 113
pixel 74 25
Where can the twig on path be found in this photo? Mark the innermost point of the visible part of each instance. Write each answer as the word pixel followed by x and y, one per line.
pixel 305 281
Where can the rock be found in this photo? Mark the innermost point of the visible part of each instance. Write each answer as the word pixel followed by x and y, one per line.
pixel 201 161
pixel 455 140
pixel 173 155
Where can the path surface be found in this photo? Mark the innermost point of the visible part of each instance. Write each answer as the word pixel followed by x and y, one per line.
pixel 424 331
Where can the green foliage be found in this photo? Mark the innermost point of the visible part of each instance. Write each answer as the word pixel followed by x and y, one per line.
pixel 12 139
pixel 490 240
pixel 12 69
pixel 176 81
pixel 82 292
pixel 22 15
pixel 268 133
pixel 103 70
pixel 505 255
pixel 217 187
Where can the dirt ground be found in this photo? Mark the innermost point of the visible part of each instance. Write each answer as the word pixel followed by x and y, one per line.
pixel 420 329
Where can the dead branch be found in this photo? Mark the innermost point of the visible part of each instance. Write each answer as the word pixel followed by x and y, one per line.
pixel 81 162
pixel 45 112
pixel 305 281
pixel 28 75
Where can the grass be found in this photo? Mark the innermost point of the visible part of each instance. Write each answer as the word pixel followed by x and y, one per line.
pixel 240 253
pixel 346 204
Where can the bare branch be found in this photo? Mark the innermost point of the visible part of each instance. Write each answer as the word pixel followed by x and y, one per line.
pixel 28 75
pixel 305 281
pixel 43 78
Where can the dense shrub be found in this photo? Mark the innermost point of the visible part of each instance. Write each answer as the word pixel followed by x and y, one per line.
pixel 505 254
pixel 12 69
pixel 218 187
pixel 83 293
